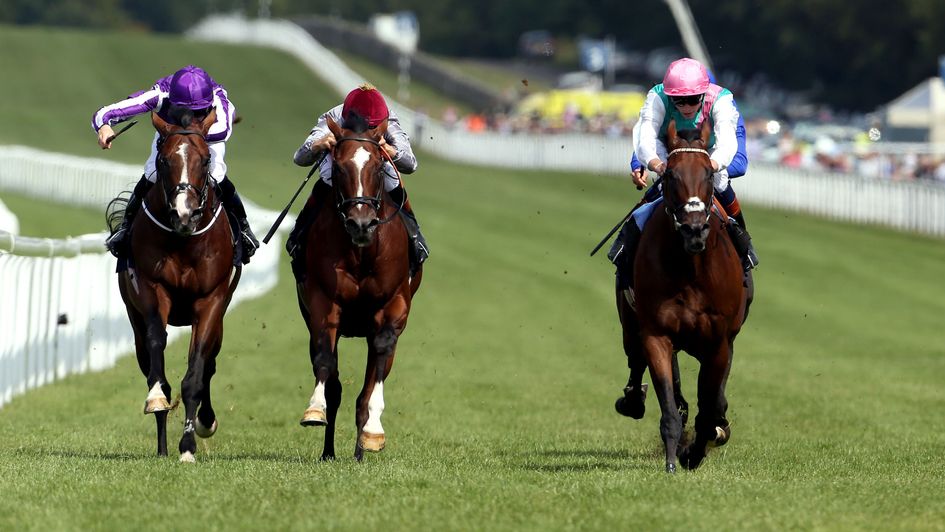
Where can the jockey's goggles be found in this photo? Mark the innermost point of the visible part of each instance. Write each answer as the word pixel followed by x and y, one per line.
pixel 687 100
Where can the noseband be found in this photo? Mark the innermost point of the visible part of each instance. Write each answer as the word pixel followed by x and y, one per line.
pixel 375 201
pixel 689 206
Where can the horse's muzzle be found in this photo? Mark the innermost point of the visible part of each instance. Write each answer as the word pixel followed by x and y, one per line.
pixel 361 230
pixel 694 237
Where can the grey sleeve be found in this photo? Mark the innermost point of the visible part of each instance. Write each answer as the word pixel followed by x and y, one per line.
pixel 405 160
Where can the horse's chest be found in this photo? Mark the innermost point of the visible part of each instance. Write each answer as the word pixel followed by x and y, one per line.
pixel 687 313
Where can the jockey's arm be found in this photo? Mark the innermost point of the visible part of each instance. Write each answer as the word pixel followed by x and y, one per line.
pixel 405 160
pixel 647 145
pixel 135 104
pixel 318 140
pixel 726 117
pixel 739 165
pixel 222 128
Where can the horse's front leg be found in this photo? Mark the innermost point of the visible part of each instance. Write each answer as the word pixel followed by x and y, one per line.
pixel 205 342
pixel 324 317
pixel 633 401
pixel 711 425
pixel 659 354
pixel 148 310
pixel 382 346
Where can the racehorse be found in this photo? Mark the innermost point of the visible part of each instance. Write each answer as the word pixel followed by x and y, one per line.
pixel 690 293
pixel 181 273
pixel 357 283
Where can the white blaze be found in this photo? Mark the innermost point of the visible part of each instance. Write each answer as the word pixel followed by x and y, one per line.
pixel 361 157
pixel 180 201
pixel 694 204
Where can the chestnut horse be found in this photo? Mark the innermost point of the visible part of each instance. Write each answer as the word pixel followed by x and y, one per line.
pixel 181 272
pixel 691 294
pixel 357 283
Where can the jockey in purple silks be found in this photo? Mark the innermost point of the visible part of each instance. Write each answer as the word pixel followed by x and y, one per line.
pixel 688 96
pixel 186 96
pixel 365 104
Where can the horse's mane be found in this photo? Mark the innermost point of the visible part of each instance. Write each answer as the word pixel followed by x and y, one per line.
pixel 356 123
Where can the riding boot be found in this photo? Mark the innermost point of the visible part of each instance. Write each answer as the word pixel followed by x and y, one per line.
pixel 418 245
pixel 623 251
pixel 234 205
pixel 119 242
pixel 294 244
pixel 742 241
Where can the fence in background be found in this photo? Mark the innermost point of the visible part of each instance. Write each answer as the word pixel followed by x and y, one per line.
pixel 60 310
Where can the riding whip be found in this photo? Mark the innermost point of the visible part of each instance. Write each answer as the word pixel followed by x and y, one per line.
pixel 619 224
pixel 120 131
pixel 285 211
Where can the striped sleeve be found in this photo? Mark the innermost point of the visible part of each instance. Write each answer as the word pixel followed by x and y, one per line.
pixel 221 130
pixel 137 103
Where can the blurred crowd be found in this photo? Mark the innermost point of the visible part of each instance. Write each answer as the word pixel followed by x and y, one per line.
pixel 849 150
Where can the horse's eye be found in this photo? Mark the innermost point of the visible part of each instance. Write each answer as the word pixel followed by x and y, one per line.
pixel 162 161
pixel 206 162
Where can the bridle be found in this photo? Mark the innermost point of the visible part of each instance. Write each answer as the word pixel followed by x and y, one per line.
pixel 201 193
pixel 374 202
pixel 689 206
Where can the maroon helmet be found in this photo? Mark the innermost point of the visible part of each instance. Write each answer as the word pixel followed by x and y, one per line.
pixel 367 102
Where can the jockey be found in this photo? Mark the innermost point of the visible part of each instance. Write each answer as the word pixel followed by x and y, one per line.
pixel 688 96
pixel 188 95
pixel 368 103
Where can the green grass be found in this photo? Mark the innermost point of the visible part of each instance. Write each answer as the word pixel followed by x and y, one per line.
pixel 500 405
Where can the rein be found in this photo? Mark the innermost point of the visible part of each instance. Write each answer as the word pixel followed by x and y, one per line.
pixel 373 201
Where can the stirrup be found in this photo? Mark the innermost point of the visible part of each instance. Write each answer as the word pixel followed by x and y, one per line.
pixel 116 241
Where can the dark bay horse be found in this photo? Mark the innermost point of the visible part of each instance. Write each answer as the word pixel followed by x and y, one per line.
pixel 181 273
pixel 357 284
pixel 691 294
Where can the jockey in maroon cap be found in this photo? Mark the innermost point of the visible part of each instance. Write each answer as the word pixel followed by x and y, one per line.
pixel 363 103
pixel 186 96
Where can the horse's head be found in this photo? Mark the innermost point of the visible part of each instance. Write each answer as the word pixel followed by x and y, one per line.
pixel 357 176
pixel 183 168
pixel 687 184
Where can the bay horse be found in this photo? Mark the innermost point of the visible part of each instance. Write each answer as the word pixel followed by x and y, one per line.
pixel 181 272
pixel 356 284
pixel 690 293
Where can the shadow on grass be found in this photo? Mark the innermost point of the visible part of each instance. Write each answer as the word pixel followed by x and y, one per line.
pixel 585 460
pixel 125 456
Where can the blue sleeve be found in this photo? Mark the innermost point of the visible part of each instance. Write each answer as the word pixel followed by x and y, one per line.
pixel 739 164
pixel 635 163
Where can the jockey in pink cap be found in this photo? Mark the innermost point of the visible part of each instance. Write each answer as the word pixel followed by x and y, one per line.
pixel 363 107
pixel 186 96
pixel 687 96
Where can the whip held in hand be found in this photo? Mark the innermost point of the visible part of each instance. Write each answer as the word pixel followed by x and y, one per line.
pixel 285 211
pixel 611 233
pixel 120 131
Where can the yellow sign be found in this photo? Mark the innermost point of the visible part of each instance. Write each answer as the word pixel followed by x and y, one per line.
pixel 553 104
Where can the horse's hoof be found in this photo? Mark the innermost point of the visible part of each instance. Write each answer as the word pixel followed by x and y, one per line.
pixel 633 402
pixel 158 404
pixel 371 442
pixel 671 468
pixel 314 417
pixel 187 457
pixel 722 435
pixel 205 432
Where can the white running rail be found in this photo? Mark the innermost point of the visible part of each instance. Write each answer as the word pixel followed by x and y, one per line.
pixel 60 310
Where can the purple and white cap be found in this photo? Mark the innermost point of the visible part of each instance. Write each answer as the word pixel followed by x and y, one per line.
pixel 191 87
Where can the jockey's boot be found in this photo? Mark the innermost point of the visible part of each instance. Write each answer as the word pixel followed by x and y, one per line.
pixel 119 242
pixel 623 251
pixel 294 244
pixel 418 245
pixel 234 205
pixel 742 241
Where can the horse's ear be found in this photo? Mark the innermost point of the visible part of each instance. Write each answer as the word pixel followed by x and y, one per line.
pixel 705 132
pixel 207 122
pixel 381 129
pixel 162 126
pixel 671 134
pixel 334 128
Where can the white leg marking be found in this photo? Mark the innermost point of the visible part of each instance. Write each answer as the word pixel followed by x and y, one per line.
pixel 375 409
pixel 156 392
pixel 318 398
pixel 187 457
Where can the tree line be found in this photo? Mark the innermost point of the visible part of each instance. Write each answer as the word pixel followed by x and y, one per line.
pixel 851 55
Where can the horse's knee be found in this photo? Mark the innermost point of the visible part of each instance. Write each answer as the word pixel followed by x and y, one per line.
pixel 385 340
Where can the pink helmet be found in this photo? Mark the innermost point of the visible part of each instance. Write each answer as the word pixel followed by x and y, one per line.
pixel 686 77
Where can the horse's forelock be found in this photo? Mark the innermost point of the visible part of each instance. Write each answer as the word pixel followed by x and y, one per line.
pixel 356 123
pixel 689 135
